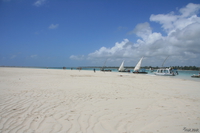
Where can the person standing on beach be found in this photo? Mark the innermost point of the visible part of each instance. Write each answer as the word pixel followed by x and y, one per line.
pixel 94 70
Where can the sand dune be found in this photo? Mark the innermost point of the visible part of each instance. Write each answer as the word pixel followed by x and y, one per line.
pixel 72 101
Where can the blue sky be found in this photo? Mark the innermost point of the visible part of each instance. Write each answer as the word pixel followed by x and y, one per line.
pixel 87 32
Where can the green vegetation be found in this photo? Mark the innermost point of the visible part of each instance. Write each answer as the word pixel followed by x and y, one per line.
pixel 186 67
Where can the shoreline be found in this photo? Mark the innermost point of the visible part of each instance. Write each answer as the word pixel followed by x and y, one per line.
pixel 68 68
pixel 180 76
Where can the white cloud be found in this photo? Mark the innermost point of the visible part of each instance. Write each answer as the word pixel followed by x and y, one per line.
pixel 13 56
pixel 53 26
pixel 190 10
pixel 142 30
pixel 80 57
pixel 165 20
pixel 171 22
pixel 119 50
pixel 34 56
pixel 121 28
pixel 182 41
pixel 39 3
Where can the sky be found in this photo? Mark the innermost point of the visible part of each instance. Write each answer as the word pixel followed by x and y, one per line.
pixel 73 33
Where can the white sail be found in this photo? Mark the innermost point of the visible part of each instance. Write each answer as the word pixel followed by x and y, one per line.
pixel 137 67
pixel 121 68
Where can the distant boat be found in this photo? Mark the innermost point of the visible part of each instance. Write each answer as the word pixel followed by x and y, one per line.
pixel 196 76
pixel 166 71
pixel 103 68
pixel 151 70
pixel 121 68
pixel 137 68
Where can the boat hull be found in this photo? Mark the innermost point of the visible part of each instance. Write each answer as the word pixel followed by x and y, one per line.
pixel 164 74
pixel 195 76
pixel 140 72
pixel 106 70
pixel 125 71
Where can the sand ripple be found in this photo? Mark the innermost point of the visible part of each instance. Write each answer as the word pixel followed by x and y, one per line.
pixel 57 102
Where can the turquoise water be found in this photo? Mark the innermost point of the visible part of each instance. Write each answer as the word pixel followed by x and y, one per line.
pixel 183 74
pixel 187 75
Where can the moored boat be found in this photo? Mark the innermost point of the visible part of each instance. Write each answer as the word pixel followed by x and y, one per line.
pixel 137 68
pixel 195 76
pixel 103 68
pixel 122 69
pixel 166 72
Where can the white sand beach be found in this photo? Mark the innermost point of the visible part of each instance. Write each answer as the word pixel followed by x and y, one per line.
pixel 72 101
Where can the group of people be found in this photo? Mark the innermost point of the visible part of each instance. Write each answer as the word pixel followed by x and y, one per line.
pixel 172 70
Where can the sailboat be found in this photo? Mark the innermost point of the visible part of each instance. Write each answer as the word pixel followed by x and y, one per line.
pixel 122 69
pixel 137 67
pixel 103 68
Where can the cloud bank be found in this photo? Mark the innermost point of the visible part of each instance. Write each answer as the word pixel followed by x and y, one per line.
pixel 181 40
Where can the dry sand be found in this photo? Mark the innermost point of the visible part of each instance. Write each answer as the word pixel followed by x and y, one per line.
pixel 72 101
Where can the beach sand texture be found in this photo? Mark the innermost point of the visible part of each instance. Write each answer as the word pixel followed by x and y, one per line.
pixel 72 101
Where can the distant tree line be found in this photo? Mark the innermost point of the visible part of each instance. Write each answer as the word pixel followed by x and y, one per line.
pixel 186 67
pixel 177 67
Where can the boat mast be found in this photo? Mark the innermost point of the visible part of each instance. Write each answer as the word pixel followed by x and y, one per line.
pixel 104 64
pixel 164 61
